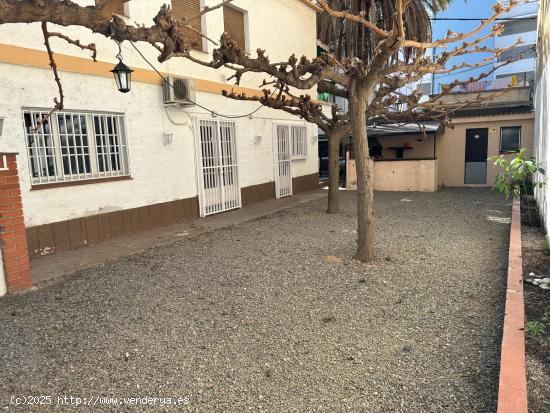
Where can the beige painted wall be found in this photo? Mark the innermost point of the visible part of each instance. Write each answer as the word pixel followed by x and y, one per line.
pixel 448 169
pixel 423 146
pixel 512 96
pixel 419 175
pixel 414 175
pixel 451 145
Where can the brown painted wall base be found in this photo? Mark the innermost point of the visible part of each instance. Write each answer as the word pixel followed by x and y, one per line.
pixel 305 183
pixel 257 193
pixel 75 233
pixel 80 232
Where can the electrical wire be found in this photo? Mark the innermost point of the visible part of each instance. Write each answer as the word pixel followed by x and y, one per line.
pixel 214 113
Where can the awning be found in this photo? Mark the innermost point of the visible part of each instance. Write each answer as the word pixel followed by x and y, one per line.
pixel 396 129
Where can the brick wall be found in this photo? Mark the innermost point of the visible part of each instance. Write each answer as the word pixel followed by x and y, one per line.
pixel 13 239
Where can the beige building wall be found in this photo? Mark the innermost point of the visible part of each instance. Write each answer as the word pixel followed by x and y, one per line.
pixel 422 146
pixel 413 175
pixel 451 145
pixel 448 167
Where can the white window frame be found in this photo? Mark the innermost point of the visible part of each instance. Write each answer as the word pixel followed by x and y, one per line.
pixel 519 139
pixel 205 43
pixel 96 154
pixel 298 142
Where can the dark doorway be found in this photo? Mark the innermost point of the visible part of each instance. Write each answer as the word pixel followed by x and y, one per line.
pixel 323 160
pixel 475 168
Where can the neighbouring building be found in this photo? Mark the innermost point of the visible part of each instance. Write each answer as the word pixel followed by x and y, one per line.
pixel 427 156
pixel 111 164
pixel 522 24
pixel 542 103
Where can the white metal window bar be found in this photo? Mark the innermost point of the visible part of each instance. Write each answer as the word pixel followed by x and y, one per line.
pixel 72 146
pixel 217 154
pixel 299 142
pixel 283 171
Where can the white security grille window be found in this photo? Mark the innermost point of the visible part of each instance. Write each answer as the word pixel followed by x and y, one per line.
pixel 298 142
pixel 218 166
pixel 510 139
pixel 72 146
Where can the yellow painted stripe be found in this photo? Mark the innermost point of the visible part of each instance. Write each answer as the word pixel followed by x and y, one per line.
pixel 37 58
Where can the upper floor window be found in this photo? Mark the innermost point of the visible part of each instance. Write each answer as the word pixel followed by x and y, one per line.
pixel 187 9
pixel 510 139
pixel 234 25
pixel 72 146
pixel 298 139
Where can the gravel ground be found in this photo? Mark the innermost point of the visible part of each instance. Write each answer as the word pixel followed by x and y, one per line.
pixel 536 258
pixel 274 315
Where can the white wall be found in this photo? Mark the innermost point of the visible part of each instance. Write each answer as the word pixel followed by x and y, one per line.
pixel 265 32
pixel 160 172
pixel 542 111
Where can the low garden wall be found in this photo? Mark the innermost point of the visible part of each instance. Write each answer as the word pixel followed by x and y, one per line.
pixel 512 388
pixel 418 175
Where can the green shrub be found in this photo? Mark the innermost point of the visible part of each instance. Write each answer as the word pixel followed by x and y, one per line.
pixel 516 176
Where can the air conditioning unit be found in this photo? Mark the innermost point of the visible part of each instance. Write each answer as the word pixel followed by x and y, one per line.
pixel 178 91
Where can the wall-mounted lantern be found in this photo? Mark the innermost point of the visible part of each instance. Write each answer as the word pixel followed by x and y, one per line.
pixel 122 74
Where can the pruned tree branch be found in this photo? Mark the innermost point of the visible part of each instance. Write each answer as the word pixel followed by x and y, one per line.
pixel 58 102
pixel 91 47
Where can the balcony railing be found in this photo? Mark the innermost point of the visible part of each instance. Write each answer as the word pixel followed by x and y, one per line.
pixel 492 84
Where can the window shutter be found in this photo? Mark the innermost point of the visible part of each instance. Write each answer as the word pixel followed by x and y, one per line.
pixel 233 21
pixel 120 9
pixel 189 8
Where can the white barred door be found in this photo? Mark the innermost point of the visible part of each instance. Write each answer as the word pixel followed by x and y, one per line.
pixel 218 178
pixel 283 173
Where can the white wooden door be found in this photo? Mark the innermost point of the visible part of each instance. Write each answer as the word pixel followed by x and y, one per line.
pixel 218 173
pixel 283 172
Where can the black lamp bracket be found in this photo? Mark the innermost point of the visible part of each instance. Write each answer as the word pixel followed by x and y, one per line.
pixel 119 54
pixel 112 32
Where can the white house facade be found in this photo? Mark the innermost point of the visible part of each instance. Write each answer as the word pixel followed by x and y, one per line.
pixel 542 111
pixel 113 163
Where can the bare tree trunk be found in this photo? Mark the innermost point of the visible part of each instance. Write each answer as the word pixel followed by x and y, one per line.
pixel 365 198
pixel 334 139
